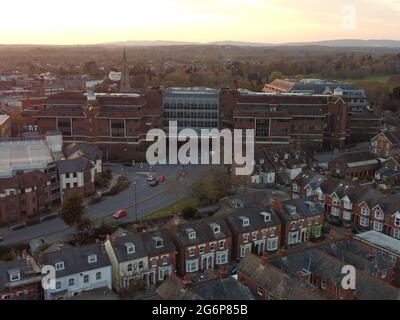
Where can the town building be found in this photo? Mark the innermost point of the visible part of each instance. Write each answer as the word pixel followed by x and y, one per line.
pixel 20 280
pixel 146 258
pixel 77 269
pixel 355 165
pixel 386 144
pixel 354 97
pixel 5 126
pixel 202 245
pixel 194 108
pixel 302 220
pixel 24 196
pixel 254 230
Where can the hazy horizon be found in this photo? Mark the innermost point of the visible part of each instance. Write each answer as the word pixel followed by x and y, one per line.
pixel 263 21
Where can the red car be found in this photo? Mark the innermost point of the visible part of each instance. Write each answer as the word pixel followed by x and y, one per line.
pixel 154 183
pixel 161 179
pixel 120 214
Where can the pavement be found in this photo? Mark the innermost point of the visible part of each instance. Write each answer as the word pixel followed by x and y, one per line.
pixel 148 200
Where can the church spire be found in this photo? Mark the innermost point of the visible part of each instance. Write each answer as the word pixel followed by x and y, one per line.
pixel 125 86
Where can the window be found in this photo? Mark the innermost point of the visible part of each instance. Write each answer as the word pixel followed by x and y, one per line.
pixel 323 285
pixel 378 226
pixel 92 258
pixel 71 282
pixel 246 238
pixel 141 265
pixel 130 248
pixel 58 285
pixel 117 128
pixel 222 245
pixel 59 266
pixel 212 246
pixel 364 222
pixel 396 233
pixel 153 262
pixel 317 232
pixel 335 212
pixel 383 275
pixel 245 221
pixel 202 249
pixel 98 276
pixel 293 237
pixel 264 234
pixel 260 291
pixel 272 232
pixel 192 234
pixel 364 211
pixel 86 278
pixel 244 250
pixel 379 214
pixel 222 258
pixel 164 259
pixel 192 265
pixel 159 243
pixel 347 215
pixel 254 236
pixel 272 244
pixel 295 188
pixel 335 201
pixel 192 251
pixel 130 267
pixel 15 276
pixel 397 220
pixel 347 204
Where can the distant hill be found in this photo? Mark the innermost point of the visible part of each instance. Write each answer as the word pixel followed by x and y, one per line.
pixel 328 43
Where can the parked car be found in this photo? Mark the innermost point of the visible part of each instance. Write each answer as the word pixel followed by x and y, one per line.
pixel 161 179
pixel 154 183
pixel 150 178
pixel 1 238
pixel 129 163
pixel 120 214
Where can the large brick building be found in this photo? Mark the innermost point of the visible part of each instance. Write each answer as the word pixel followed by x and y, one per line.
pixel 117 123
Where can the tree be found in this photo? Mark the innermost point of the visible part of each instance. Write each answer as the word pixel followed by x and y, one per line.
pixel 72 209
pixel 275 75
pixel 189 213
pixel 91 68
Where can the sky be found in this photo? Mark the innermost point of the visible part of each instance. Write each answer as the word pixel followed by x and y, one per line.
pixel 267 21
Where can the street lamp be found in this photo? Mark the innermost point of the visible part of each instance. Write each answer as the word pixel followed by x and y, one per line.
pixel 135 204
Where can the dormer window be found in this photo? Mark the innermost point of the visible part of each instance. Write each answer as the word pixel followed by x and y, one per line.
pixel 245 221
pixel 291 209
pixel 397 219
pixel 310 205
pixel 159 242
pixel 130 248
pixel 60 266
pixel 237 203
pixel 15 275
pixel 365 211
pixel 191 234
pixel 267 216
pixel 216 228
pixel 92 258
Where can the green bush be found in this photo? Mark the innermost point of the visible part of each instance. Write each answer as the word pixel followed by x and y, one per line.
pixel 7 254
pixel 189 213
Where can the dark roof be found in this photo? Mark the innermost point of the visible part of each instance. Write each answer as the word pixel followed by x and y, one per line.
pixel 256 220
pixel 120 247
pixel 329 268
pixel 310 178
pixel 204 232
pixel 26 273
pixel 25 180
pixel 89 151
pixel 302 209
pixel 149 241
pixel 358 255
pixel 393 136
pixel 74 165
pixel 215 289
pixel 357 157
pixel 278 284
pixel 76 259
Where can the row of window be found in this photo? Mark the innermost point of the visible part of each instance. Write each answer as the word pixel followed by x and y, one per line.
pixel 86 279
pixel 191 106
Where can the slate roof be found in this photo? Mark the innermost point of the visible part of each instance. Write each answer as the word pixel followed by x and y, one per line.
pixel 302 209
pixel 357 158
pixel 393 136
pixel 204 232
pixel 89 151
pixel 329 268
pixel 150 244
pixel 25 181
pixel 310 178
pixel 74 165
pixel 381 240
pixel 120 248
pixel 354 253
pixel 256 220
pixel 76 259
pixel 279 284
pixel 26 273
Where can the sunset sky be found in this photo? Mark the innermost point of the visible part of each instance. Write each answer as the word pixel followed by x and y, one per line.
pixel 272 21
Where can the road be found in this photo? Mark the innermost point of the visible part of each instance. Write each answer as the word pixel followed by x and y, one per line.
pixel 148 200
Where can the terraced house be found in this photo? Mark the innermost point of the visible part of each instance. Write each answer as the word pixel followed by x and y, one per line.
pixel 254 230
pixel 302 219
pixel 202 245
pixel 146 258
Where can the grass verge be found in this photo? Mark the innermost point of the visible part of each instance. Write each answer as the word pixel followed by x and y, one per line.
pixel 173 209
